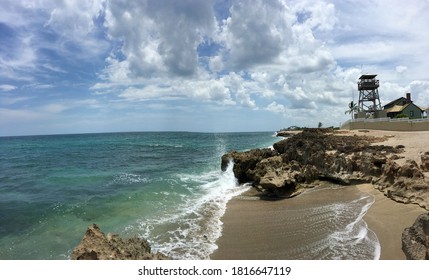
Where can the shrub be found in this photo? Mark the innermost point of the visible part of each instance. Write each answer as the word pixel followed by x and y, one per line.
pixel 400 116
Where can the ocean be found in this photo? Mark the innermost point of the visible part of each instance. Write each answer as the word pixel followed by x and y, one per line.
pixel 167 187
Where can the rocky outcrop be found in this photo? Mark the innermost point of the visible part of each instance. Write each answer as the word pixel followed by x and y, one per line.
pixel 245 162
pixel 97 246
pixel 405 183
pixel 318 154
pixel 425 162
pixel 415 239
pixel 284 133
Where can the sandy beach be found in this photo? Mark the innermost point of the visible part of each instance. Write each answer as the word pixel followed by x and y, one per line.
pixel 257 229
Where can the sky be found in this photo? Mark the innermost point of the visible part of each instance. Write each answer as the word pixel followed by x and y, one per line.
pixel 211 66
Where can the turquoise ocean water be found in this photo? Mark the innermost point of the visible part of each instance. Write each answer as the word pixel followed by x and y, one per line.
pixel 164 186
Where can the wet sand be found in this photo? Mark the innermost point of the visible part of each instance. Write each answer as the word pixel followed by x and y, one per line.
pixel 313 225
pixel 256 229
pixel 388 219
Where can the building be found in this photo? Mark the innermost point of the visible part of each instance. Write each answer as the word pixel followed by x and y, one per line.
pixel 403 106
pixel 369 100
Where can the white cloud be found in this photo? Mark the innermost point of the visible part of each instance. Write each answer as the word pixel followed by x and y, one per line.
pixel 19 116
pixel 37 31
pixel 264 39
pixel 256 34
pixel 159 37
pixel 148 93
pixel 38 86
pixel 6 87
pixel 75 23
pixel 245 100
pixel 213 90
pixel 276 108
pixel 301 57
pixel 74 18
pixel 10 100
pixel 420 93
pixel 401 69
pixel 300 99
pixel 216 63
pixel 16 62
pixel 382 33
pixel 316 15
pixel 53 108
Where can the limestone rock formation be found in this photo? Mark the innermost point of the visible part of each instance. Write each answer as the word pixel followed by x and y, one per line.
pixel 284 133
pixel 425 162
pixel 97 246
pixel 320 154
pixel 245 162
pixel 415 239
pixel 404 183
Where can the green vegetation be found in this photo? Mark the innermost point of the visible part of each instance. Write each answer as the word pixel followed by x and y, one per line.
pixel 353 109
pixel 400 116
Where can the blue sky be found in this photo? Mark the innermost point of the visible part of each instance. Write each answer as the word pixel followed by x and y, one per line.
pixel 101 66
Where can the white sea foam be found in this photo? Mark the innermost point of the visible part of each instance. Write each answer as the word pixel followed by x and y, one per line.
pixel 332 229
pixel 191 231
pixel 128 178
pixel 352 239
pixel 355 240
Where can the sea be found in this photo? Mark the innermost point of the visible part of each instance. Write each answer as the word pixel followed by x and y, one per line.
pixel 166 187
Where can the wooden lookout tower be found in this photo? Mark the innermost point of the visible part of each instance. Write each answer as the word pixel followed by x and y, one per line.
pixel 369 100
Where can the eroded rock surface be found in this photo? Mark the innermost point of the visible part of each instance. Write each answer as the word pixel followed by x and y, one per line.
pixel 95 245
pixel 415 239
pixel 320 154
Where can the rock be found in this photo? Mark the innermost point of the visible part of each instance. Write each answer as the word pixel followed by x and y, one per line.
pixel 272 173
pixel 97 246
pixel 245 162
pixel 410 170
pixel 415 239
pixel 317 154
pixel 404 183
pixel 425 162
pixel 284 133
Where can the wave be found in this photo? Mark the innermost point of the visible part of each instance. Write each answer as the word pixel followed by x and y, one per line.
pixel 333 229
pixel 191 231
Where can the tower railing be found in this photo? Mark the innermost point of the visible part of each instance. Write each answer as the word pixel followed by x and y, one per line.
pixel 368 84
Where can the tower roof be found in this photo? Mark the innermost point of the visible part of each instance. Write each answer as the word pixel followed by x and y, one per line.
pixel 367 76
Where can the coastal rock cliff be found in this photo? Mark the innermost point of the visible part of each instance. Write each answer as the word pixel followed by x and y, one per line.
pixel 95 245
pixel 415 239
pixel 321 154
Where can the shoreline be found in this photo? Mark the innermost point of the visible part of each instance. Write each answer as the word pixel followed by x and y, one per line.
pixel 250 232
pixel 263 239
pixel 388 219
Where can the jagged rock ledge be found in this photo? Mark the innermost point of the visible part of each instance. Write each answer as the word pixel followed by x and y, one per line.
pixel 303 160
pixel 97 246
pixel 300 161
pixel 415 239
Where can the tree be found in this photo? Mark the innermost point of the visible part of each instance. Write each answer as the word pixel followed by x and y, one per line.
pixel 353 108
pixel 320 125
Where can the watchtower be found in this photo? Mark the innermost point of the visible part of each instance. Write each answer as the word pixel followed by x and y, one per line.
pixel 369 100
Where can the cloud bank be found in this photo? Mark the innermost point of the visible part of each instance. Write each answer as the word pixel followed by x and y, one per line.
pixel 287 62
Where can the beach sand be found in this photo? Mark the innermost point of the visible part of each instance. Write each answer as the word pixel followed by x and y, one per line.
pixel 257 229
pixel 388 219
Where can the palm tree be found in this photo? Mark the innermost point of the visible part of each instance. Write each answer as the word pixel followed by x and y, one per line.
pixel 353 108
